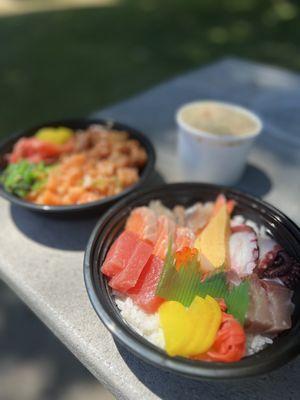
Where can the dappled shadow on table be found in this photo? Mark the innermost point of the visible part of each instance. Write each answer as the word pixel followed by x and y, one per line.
pixel 68 233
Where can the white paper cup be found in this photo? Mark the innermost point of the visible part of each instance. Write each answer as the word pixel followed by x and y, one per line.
pixel 210 157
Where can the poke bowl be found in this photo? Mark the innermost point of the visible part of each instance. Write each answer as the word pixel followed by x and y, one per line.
pixel 251 282
pixel 75 165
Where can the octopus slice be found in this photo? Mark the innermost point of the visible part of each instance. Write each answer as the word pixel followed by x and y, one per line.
pixel 277 264
pixel 268 250
pixel 243 250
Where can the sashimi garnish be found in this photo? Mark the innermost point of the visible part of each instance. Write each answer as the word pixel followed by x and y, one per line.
pixel 184 282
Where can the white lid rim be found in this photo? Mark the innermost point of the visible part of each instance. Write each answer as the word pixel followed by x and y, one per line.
pixel 220 138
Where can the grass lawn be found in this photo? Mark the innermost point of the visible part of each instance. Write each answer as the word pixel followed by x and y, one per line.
pixel 68 63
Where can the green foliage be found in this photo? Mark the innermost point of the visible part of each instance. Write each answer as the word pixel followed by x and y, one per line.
pixel 73 62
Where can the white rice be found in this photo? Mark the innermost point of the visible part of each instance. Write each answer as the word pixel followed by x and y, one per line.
pixel 146 325
pixel 256 343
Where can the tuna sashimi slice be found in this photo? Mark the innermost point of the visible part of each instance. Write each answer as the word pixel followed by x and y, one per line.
pixel 128 277
pixel 143 294
pixel 119 253
pixel 143 222
pixel 166 231
pixel 243 250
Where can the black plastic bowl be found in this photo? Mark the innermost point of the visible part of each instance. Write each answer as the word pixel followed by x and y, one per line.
pixel 284 348
pixel 78 124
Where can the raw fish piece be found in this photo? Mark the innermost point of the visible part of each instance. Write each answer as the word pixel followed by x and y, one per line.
pixel 258 317
pixel 144 223
pixel 128 277
pixel 270 307
pixel 184 237
pixel 143 294
pixel 281 306
pixel 179 215
pixel 243 250
pixel 220 202
pixel 198 215
pixel 166 231
pixel 159 209
pixel 119 253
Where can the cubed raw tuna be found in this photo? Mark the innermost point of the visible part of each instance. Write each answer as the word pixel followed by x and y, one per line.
pixel 119 253
pixel 143 294
pixel 128 277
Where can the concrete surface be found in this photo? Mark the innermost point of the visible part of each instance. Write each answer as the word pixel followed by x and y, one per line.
pixel 34 364
pixel 41 258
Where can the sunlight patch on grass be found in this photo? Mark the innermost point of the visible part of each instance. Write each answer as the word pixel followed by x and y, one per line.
pixel 15 7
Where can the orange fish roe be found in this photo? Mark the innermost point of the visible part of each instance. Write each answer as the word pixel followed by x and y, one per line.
pixel 185 255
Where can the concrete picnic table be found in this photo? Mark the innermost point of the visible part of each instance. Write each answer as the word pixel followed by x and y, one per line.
pixel 41 257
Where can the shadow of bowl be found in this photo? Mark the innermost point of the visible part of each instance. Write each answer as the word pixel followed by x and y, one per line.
pixel 255 181
pixel 64 232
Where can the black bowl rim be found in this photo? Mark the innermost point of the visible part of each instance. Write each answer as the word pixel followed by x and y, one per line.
pixel 150 353
pixel 147 170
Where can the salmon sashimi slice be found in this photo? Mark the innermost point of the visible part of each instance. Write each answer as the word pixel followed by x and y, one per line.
pixel 143 222
pixel 166 232
pixel 119 254
pixel 128 277
pixel 220 201
pixel 143 294
pixel 184 237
